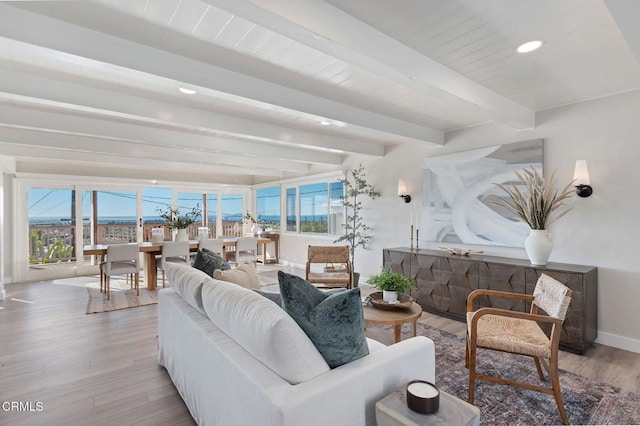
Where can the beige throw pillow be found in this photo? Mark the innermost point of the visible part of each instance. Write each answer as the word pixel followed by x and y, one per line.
pixel 244 275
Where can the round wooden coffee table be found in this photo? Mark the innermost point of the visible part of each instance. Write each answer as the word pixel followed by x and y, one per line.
pixel 396 318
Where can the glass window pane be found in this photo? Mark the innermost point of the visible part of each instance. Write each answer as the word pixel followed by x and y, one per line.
pixel 155 201
pixel 291 209
pixel 268 207
pixel 186 202
pixel 336 209
pixel 51 215
pixel 117 217
pixel 232 213
pixel 314 208
pixel 212 213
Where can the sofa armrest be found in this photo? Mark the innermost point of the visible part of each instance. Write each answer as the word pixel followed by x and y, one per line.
pixel 350 391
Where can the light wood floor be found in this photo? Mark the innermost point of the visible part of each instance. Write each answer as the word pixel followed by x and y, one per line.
pixel 102 369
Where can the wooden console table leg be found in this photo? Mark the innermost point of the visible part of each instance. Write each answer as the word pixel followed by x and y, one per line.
pixel 415 328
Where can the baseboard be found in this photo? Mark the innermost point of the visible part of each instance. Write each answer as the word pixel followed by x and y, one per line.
pixel 620 342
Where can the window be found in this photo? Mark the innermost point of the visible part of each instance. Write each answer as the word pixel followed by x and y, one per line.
pixel 314 208
pixel 291 209
pixel 186 202
pixel 155 201
pixel 268 207
pixel 116 216
pixel 52 221
pixel 232 214
pixel 336 209
pixel 319 208
pixel 212 214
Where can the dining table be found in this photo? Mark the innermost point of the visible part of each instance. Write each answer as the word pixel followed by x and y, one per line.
pixel 151 250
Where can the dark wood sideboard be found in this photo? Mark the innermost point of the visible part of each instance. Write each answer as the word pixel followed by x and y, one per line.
pixel 445 280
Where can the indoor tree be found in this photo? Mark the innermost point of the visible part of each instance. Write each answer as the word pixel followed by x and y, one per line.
pixel 355 229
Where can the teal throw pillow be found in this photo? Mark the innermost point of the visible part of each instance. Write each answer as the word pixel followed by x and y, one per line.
pixel 334 322
pixel 208 261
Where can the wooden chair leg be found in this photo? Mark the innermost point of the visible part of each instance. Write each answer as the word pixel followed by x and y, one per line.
pixel 137 278
pixel 107 286
pixel 539 368
pixel 555 383
pixel 163 279
pixel 472 371
pixel 466 352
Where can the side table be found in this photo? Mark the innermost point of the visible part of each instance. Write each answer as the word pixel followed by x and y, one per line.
pixel 373 315
pixel 392 410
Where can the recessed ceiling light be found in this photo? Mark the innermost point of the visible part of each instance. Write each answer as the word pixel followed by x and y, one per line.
pixel 187 91
pixel 529 46
pixel 325 123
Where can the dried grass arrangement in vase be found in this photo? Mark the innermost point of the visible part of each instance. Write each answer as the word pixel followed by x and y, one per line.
pixel 535 206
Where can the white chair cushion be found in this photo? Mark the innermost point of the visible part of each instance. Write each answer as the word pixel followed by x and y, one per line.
pixel 187 282
pixel 265 330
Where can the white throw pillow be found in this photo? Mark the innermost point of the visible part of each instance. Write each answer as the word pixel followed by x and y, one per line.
pixel 187 282
pixel 245 275
pixel 264 330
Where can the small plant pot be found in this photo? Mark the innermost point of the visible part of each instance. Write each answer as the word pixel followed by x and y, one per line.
pixel 390 296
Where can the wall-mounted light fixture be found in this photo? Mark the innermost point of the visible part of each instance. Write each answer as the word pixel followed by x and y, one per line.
pixel 402 191
pixel 582 182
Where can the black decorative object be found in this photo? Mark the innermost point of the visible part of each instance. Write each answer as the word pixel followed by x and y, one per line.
pixel 423 397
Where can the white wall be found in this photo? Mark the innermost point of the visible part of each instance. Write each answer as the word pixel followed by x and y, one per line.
pixel 602 230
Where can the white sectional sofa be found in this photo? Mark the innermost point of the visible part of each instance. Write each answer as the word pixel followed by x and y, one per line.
pixel 237 358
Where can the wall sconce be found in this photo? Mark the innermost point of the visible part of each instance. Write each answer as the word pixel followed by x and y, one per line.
pixel 581 176
pixel 402 191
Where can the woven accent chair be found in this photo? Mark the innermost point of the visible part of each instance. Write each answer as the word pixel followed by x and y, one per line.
pixel 337 270
pixel 520 333
pixel 121 259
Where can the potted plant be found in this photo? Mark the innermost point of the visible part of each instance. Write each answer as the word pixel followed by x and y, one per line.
pixel 535 207
pixel 355 229
pixel 174 220
pixel 392 284
pixel 248 219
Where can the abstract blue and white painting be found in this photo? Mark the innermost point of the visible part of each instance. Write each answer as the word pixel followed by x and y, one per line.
pixel 454 191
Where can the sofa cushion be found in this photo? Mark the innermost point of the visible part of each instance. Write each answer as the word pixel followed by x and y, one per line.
pixel 245 275
pixel 187 282
pixel 208 261
pixel 274 297
pixel 266 331
pixel 334 322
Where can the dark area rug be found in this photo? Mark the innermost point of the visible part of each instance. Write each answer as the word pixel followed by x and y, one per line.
pixel 586 400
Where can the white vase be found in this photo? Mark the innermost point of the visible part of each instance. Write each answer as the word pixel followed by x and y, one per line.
pixel 538 246
pixel 182 235
pixel 390 296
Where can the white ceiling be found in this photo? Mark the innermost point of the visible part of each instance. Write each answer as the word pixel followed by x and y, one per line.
pixel 91 87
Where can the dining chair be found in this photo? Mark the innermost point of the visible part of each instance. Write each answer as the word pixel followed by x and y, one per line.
pixel 121 259
pixel 173 252
pixel 520 333
pixel 246 251
pixel 103 262
pixel 212 244
pixel 337 270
